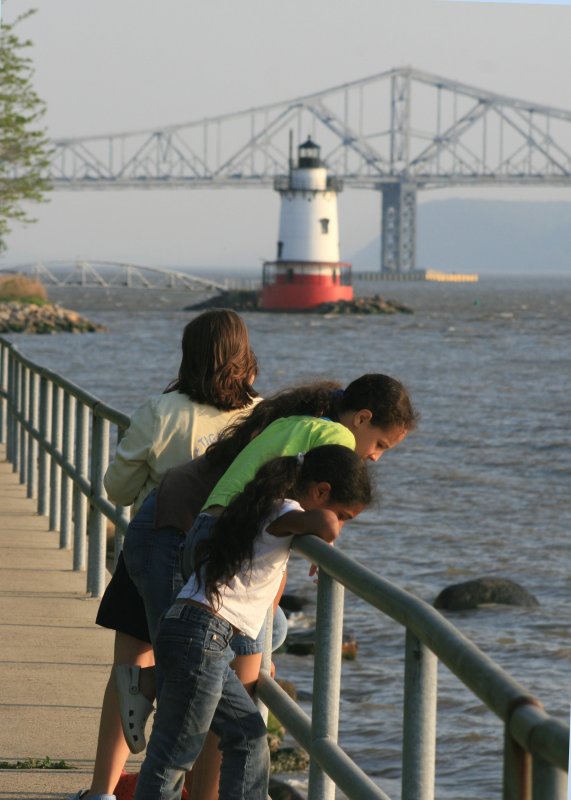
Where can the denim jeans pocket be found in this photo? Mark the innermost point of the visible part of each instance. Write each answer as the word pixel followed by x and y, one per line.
pixel 215 642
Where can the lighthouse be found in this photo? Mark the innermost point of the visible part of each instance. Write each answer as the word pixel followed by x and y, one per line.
pixel 307 270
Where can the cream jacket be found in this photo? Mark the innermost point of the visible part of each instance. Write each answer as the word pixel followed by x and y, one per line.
pixel 165 431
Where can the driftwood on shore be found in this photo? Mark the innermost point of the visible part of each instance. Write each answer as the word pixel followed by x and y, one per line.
pixel 32 318
pixel 247 300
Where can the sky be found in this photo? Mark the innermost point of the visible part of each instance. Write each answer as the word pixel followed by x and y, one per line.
pixel 116 65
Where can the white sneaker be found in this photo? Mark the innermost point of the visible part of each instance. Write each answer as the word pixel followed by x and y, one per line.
pixel 134 708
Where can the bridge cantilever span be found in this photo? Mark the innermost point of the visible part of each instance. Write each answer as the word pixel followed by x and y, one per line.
pixel 396 132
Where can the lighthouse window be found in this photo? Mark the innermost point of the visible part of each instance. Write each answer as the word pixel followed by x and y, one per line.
pixel 324 225
pixel 280 249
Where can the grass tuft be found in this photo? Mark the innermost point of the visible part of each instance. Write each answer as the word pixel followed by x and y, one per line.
pixel 36 763
pixel 21 289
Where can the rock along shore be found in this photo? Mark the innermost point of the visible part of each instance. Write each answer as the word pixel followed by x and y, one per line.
pixel 31 318
pixel 247 300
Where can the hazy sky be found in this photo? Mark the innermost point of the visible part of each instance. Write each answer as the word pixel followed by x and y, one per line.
pixel 113 65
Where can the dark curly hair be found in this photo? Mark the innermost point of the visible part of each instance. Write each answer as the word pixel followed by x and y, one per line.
pixel 230 546
pixel 385 397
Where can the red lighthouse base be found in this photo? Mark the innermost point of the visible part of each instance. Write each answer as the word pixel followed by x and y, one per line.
pixel 298 286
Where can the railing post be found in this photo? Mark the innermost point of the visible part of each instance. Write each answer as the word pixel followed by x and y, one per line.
pixel 419 727
pixel 79 498
pixel 55 469
pixel 45 435
pixel 548 782
pixel 517 770
pixel 68 438
pixel 24 435
pixel 17 428
pixel 97 526
pixel 327 678
pixel 33 416
pixel 4 353
pixel 10 422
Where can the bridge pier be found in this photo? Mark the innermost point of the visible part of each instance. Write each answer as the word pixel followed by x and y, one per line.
pixel 398 227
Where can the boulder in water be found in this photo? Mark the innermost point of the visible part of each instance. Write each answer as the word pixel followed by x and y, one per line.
pixel 484 591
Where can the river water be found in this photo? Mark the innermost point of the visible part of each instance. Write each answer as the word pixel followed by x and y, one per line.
pixel 481 488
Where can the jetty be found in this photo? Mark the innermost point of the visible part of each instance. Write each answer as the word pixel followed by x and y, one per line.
pixel 427 275
pixel 54 440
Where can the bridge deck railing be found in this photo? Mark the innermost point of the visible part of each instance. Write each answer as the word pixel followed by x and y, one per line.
pixel 57 437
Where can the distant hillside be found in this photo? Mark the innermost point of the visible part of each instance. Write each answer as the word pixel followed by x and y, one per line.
pixel 487 236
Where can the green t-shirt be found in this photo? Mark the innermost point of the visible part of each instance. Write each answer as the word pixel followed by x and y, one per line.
pixel 287 436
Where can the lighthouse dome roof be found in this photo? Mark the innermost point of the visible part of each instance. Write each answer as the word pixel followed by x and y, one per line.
pixel 309 154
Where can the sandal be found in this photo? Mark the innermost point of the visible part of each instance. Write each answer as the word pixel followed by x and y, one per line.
pixel 82 792
pixel 134 708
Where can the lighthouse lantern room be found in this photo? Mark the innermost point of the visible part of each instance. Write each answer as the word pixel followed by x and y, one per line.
pixel 307 270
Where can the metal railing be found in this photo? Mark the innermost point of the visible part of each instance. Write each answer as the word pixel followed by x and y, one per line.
pixel 57 437
pixel 536 746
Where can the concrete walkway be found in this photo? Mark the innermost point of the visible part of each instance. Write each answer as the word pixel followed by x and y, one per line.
pixel 54 661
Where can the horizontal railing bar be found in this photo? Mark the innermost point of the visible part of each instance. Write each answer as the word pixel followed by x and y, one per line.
pixel 344 772
pixel 97 406
pixel 330 756
pixel 291 715
pixel 425 622
pixel 498 690
pixel 540 734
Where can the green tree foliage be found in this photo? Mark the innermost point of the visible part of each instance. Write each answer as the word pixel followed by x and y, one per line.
pixel 24 146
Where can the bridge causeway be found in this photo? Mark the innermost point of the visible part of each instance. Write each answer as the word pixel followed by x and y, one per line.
pixel 55 661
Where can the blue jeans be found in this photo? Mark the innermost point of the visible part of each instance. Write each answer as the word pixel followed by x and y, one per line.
pixel 241 644
pixel 200 692
pixel 152 561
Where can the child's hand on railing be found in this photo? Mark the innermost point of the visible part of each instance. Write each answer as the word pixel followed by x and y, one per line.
pixel 314 568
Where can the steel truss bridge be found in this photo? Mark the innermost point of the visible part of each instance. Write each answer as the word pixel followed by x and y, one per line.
pixel 109 274
pixel 396 132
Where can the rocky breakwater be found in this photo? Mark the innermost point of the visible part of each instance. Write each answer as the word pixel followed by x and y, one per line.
pixel 32 318
pixel 363 305
pixel 247 300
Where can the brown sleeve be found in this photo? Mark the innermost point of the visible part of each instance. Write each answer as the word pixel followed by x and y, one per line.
pixel 182 493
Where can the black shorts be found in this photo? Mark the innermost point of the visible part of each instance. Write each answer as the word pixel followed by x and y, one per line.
pixel 122 608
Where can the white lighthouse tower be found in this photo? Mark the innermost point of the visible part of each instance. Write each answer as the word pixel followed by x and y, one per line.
pixel 307 270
